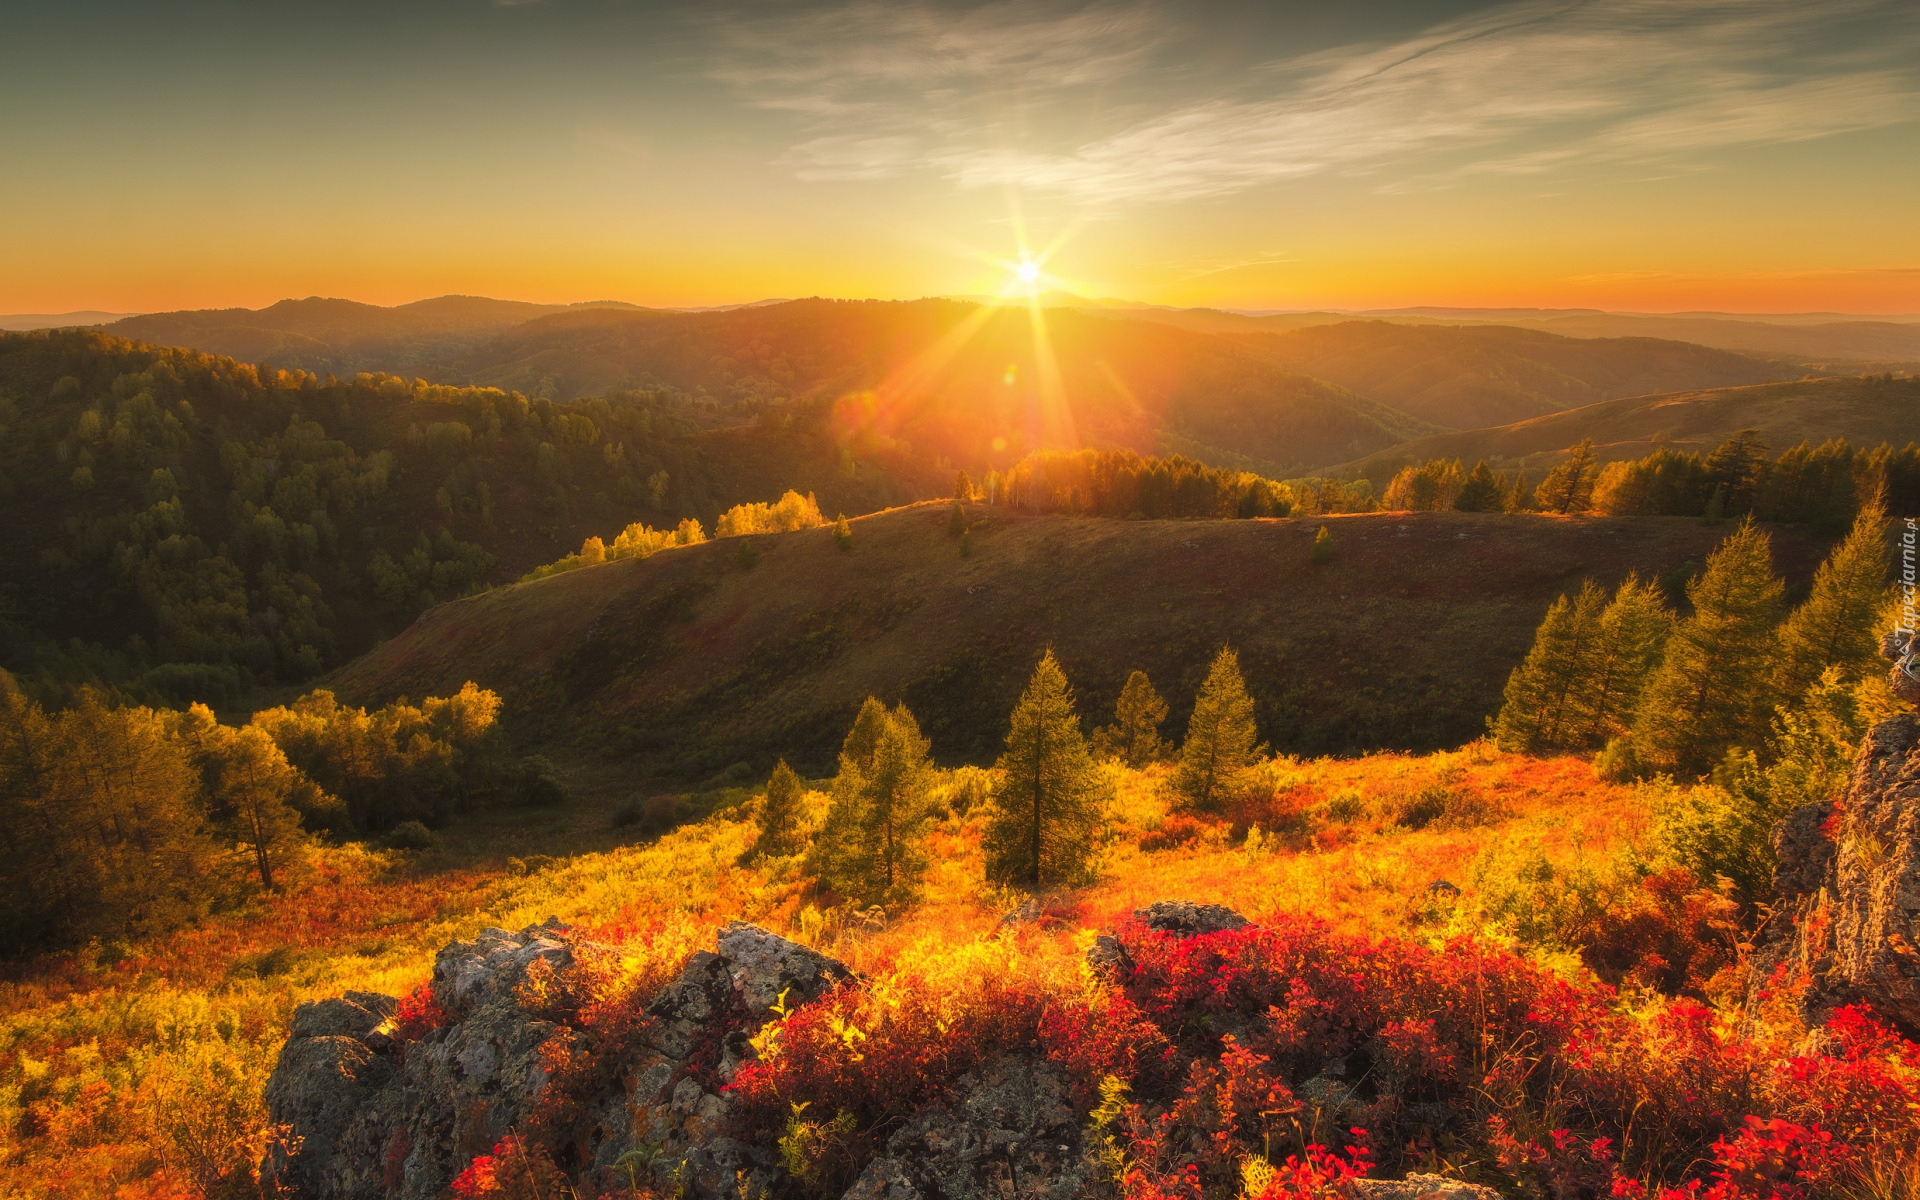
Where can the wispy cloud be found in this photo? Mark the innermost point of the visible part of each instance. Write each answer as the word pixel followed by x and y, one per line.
pixel 1080 102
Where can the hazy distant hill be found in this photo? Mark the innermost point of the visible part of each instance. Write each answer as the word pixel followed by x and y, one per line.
pixel 952 378
pixel 1840 340
pixel 1471 376
pixel 342 336
pixel 18 321
pixel 686 663
pixel 1864 410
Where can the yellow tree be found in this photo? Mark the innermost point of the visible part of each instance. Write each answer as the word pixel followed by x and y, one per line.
pixel 1046 805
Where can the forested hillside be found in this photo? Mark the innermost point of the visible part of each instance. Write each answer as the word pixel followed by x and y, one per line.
pixel 185 525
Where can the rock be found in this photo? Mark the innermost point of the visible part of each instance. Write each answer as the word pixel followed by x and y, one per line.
pixel 378 1119
pixel 1008 1129
pixel 1902 649
pixel 766 967
pixel 1846 924
pixel 1024 913
pixel 1446 888
pixel 1183 918
pixel 1109 959
pixel 1421 1187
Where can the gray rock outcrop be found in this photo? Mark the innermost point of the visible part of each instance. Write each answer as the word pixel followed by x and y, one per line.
pixel 377 1117
pixel 1846 923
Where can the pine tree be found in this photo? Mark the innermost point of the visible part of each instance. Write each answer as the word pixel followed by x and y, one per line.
pixel 1836 625
pixel 1134 736
pixel 1568 488
pixel 957 520
pixel 843 533
pixel 1709 693
pixel 963 487
pixel 1481 492
pixel 780 815
pixel 1046 807
pixel 1632 632
pixel 1542 699
pixel 1220 737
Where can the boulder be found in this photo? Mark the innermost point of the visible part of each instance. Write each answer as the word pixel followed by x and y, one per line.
pixel 1421 1187
pixel 1846 924
pixel 378 1118
pixel 1183 918
pixel 1008 1129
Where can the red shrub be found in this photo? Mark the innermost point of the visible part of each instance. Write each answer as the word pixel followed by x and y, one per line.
pixel 418 1013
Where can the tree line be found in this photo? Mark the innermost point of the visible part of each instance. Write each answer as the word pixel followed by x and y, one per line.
pixel 119 821
pixel 1121 483
pixel 1045 808
pixel 1766 700
pixel 1826 485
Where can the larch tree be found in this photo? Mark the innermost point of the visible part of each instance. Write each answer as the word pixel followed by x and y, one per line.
pixel 1836 625
pixel 869 846
pixel 1632 632
pixel 1134 736
pixel 1221 736
pixel 1710 691
pixel 1046 806
pixel 1542 697
pixel 1568 488
pixel 1482 492
pixel 780 816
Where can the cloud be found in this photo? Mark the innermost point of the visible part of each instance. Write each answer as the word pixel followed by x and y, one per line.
pixel 1084 103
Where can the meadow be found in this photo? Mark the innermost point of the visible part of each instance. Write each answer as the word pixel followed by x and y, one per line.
pixel 134 1070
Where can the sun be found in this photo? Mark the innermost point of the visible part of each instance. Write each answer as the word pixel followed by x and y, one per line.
pixel 1028 271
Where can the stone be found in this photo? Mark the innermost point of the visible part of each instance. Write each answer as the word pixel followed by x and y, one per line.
pixel 1183 918
pixel 1109 959
pixel 1421 1187
pixel 1008 1129
pixel 1846 925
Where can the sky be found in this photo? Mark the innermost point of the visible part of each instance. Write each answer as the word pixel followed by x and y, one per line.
pixel 1639 155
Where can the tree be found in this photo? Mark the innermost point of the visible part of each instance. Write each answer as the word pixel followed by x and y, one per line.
pixel 1836 625
pixel 843 533
pixel 869 848
pixel 1481 492
pixel 963 487
pixel 1709 692
pixel 1568 488
pixel 1134 736
pixel 1633 631
pixel 957 520
pixel 249 787
pixel 1322 551
pixel 1046 806
pixel 1541 698
pixel 1220 736
pixel 1739 465
pixel 780 817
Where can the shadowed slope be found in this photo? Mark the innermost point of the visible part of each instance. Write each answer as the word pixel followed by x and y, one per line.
pixel 686 662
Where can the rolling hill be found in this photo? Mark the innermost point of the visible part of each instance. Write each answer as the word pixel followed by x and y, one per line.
pixel 1467 377
pixel 341 336
pixel 1864 410
pixel 687 662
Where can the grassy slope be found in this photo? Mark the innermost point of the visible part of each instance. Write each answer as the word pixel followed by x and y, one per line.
pixel 685 663
pixel 109 1059
pixel 1865 411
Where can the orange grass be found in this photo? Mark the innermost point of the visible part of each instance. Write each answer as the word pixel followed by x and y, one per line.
pixel 109 1056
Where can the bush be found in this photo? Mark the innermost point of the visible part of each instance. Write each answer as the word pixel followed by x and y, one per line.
pixel 535 783
pixel 653 815
pixel 411 835
pixel 1176 831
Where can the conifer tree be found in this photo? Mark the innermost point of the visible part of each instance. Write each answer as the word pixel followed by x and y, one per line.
pixel 1709 692
pixel 963 487
pixel 1541 701
pixel 1134 736
pixel 869 846
pixel 1568 487
pixel 1481 492
pixel 1836 625
pixel 1046 806
pixel 843 533
pixel 780 815
pixel 957 520
pixel 1632 632
pixel 1220 736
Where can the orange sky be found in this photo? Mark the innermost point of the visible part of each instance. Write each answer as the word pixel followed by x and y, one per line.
pixel 1621 154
